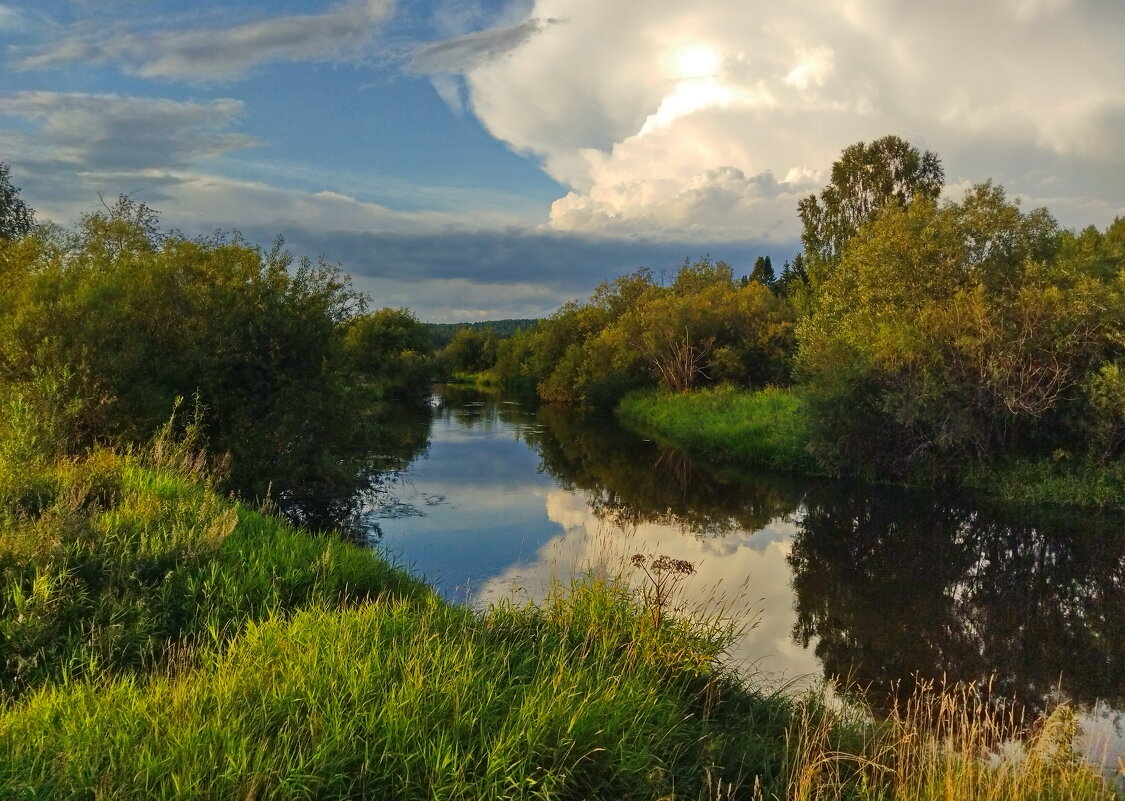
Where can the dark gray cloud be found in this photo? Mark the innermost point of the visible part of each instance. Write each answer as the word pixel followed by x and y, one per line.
pixel 516 272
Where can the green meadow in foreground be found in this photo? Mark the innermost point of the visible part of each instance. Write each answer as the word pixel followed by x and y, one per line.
pixel 160 641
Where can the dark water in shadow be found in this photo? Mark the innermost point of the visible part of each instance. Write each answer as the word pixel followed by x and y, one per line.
pixel 879 586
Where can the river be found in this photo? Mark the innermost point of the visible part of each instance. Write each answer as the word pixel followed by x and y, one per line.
pixel 879 587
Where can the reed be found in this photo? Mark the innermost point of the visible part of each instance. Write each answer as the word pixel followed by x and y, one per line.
pixel 941 743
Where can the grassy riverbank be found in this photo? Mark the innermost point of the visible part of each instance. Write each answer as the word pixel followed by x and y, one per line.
pixel 770 428
pixel 765 428
pixel 160 641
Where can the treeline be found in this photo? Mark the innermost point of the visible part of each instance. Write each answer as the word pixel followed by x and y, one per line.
pixel 633 332
pixel 921 335
pixel 108 329
pixel 441 334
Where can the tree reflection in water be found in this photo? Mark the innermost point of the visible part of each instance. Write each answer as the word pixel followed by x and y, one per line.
pixel 396 436
pixel 895 587
pixel 890 587
pixel 629 480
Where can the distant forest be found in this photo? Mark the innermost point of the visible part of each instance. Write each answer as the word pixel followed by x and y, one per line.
pixel 442 333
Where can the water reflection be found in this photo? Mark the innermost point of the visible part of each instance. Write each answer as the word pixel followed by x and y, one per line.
pixel 347 477
pixel 883 587
pixel 628 480
pixel 743 576
pixel 894 586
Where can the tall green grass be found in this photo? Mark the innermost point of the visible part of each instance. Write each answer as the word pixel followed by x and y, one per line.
pixel 1074 481
pixel 766 427
pixel 580 698
pixel 109 561
pixel 942 743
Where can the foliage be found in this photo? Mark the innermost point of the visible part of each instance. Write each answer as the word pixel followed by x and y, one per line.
pixel 951 333
pixel 794 279
pixel 16 217
pixel 704 327
pixel 442 333
pixel 392 353
pixel 470 350
pixel 131 319
pixel 763 272
pixel 865 179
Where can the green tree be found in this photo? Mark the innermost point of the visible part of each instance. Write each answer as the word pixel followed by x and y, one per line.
pixel 763 272
pixel 794 278
pixel 865 179
pixel 952 333
pixel 705 327
pixel 138 319
pixel 392 353
pixel 16 217
pixel 470 350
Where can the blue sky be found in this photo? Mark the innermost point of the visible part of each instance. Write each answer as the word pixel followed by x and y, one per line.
pixel 494 158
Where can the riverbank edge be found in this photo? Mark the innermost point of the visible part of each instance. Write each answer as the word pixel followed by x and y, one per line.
pixel 768 428
pixel 306 667
pixel 164 642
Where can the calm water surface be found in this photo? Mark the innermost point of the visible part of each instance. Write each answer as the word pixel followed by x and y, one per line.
pixel 881 587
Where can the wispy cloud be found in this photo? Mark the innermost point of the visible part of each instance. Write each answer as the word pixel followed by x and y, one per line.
pixel 11 19
pixel 114 132
pixel 461 53
pixel 223 53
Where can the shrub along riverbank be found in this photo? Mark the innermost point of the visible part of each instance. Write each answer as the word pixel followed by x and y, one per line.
pixel 770 428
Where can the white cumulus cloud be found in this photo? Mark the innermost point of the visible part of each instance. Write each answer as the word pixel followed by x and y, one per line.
pixel 666 119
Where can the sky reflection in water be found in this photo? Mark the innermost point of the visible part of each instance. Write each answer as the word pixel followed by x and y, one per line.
pixel 481 519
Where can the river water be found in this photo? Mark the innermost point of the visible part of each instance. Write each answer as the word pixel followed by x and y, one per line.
pixel 876 586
